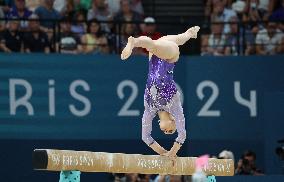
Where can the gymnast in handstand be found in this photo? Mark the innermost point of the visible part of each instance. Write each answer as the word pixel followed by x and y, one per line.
pixel 161 96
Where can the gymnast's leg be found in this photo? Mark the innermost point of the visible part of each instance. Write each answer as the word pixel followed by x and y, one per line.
pixel 182 38
pixel 164 49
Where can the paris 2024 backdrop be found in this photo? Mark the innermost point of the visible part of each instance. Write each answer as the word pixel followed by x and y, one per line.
pixel 230 103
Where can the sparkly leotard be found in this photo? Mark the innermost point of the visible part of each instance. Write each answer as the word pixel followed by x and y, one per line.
pixel 161 94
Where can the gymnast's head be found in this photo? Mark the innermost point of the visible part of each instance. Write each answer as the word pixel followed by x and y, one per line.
pixel 167 122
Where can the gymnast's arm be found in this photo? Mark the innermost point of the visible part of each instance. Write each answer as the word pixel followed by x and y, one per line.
pixel 181 136
pixel 158 148
pixel 147 138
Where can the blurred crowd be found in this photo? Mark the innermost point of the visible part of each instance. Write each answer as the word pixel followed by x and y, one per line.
pixel 232 27
pixel 246 165
pixel 251 27
pixel 71 26
pixel 147 178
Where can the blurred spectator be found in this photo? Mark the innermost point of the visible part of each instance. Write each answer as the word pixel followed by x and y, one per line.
pixel 6 5
pixel 226 154
pixel 216 40
pixel 239 41
pixel 11 40
pixel 149 30
pixel 265 8
pixel 209 5
pixel 222 13
pixel 79 26
pixel 136 5
pixel 208 10
pixel 46 12
pixel 228 3
pixel 249 23
pixel 162 178
pixel 247 164
pixel 145 178
pixel 21 12
pixel 132 177
pixel 127 30
pixel 234 39
pixel 278 14
pixel 33 4
pixel 2 23
pixel 117 177
pixel 269 40
pixel 100 12
pixel 204 45
pixel 252 16
pixel 114 6
pixel 82 4
pixel 86 4
pixel 126 13
pixel 168 178
pixel 94 41
pixel 240 7
pixel 69 42
pixel 68 10
pixel 59 5
pixel 35 40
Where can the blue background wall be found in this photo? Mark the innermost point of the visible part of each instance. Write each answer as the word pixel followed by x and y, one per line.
pixel 110 84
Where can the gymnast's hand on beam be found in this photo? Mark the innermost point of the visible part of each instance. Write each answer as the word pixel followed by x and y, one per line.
pixel 175 148
pixel 171 156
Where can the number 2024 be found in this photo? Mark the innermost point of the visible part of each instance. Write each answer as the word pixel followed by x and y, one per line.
pixel 205 110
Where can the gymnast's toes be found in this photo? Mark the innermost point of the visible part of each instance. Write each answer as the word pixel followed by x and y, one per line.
pixel 125 54
pixel 196 28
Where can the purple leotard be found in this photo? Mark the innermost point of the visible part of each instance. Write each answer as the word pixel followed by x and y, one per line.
pixel 161 94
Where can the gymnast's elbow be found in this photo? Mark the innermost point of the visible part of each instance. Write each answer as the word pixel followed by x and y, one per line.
pixel 181 137
pixel 147 139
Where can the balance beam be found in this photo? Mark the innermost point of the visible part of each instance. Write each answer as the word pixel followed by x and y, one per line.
pixel 65 160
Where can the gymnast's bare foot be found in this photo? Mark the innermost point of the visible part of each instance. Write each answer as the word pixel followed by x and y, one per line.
pixel 128 48
pixel 193 31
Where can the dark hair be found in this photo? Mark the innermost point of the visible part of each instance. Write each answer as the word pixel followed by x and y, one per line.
pixel 249 153
pixel 129 2
pixel 277 5
pixel 90 22
pixel 124 26
pixel 80 12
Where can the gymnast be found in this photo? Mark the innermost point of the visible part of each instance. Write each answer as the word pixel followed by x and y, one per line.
pixel 161 95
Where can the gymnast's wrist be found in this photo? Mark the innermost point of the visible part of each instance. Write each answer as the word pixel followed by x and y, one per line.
pixel 152 143
pixel 157 148
pixel 163 151
pixel 175 148
pixel 179 143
